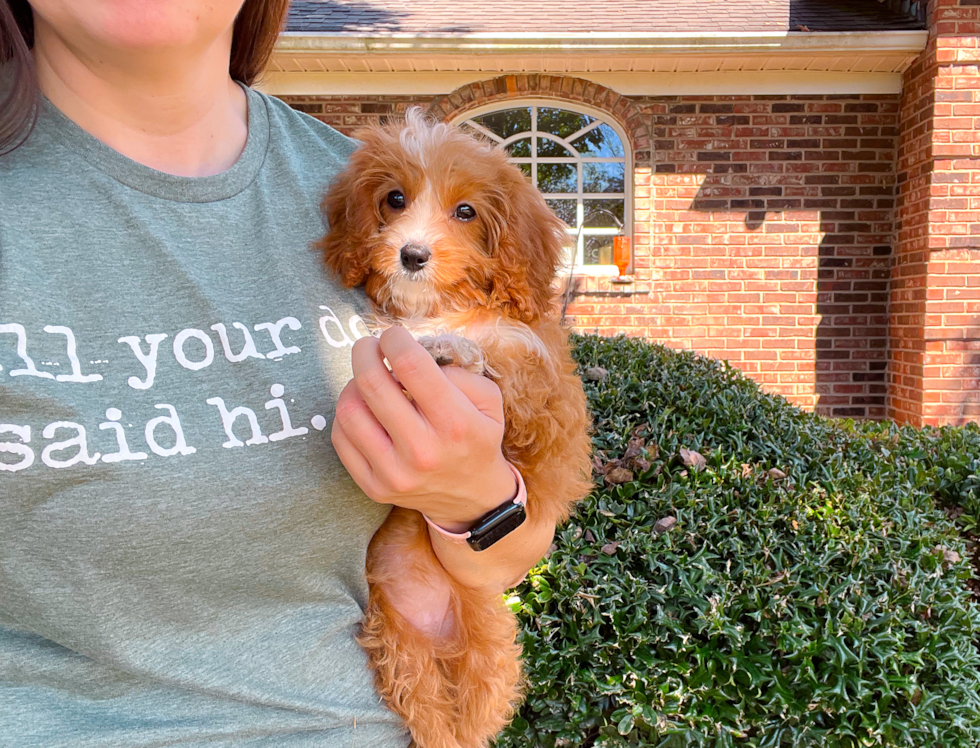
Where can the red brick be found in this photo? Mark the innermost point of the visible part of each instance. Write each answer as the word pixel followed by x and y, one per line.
pixel 934 83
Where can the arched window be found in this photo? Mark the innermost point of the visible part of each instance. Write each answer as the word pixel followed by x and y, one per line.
pixel 578 160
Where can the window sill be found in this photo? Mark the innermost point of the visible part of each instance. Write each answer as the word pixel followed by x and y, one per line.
pixel 590 270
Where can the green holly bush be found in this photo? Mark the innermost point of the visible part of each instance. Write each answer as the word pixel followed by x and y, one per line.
pixel 748 574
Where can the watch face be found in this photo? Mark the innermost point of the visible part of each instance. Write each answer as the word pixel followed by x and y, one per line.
pixel 496 525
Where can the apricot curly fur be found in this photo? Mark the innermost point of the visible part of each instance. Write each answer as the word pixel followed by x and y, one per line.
pixel 490 279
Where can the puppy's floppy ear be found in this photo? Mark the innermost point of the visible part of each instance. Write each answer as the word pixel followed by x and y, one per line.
pixel 530 245
pixel 351 220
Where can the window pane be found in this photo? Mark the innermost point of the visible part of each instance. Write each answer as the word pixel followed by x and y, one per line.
pixel 557 178
pixel 520 148
pixel 603 177
pixel 506 123
pixel 600 142
pixel 598 250
pixel 551 149
pixel 561 122
pixel 587 184
pixel 597 213
pixel 565 210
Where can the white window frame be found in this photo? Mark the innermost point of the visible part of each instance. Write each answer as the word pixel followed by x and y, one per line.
pixel 572 264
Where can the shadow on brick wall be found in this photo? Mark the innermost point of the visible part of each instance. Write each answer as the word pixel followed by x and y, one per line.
pixel 807 159
pixel 852 302
pixel 851 338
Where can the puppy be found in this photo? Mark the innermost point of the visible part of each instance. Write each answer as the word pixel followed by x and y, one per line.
pixel 451 241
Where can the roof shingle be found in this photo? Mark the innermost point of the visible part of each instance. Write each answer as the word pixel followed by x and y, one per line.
pixel 379 17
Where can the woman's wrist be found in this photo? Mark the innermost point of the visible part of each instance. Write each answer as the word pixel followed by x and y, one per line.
pixel 502 565
pixel 461 536
pixel 505 485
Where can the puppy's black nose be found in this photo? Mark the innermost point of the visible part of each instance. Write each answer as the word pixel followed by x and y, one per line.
pixel 414 257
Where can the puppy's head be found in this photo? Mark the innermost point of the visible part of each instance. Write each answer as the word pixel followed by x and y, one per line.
pixel 432 220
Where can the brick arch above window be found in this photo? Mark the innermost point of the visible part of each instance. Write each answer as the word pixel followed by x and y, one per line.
pixel 557 87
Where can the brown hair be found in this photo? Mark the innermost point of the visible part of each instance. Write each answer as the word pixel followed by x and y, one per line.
pixel 256 29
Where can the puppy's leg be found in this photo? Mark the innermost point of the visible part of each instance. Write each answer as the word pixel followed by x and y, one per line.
pixel 487 673
pixel 455 350
pixel 444 655
pixel 408 610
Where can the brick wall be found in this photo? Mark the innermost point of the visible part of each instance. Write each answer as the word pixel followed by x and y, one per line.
pixel 762 231
pixel 908 276
pixel 348 114
pixel 771 219
pixel 934 367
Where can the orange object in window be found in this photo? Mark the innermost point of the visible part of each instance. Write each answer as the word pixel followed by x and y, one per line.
pixel 621 253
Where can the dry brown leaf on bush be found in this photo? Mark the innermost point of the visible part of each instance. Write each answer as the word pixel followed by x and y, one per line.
pixel 949 556
pixel 638 455
pixel 602 466
pixel 595 374
pixel 610 548
pixel 640 464
pixel 693 459
pixel 618 476
pixel 664 524
pixel 776 474
pixel 634 448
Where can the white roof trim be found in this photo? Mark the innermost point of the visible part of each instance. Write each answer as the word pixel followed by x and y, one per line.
pixel 625 83
pixel 794 42
pixel 490 55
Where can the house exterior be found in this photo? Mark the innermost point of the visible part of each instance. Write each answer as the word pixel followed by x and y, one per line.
pixel 799 179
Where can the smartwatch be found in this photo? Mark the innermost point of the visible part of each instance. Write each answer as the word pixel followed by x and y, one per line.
pixel 495 524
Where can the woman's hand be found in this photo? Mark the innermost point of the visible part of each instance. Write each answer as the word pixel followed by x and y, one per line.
pixel 438 453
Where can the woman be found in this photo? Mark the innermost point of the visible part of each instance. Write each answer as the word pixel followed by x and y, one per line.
pixel 181 548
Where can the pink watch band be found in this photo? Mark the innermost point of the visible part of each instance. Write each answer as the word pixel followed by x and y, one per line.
pixel 461 537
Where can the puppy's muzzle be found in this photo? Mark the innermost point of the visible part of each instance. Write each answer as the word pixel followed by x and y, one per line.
pixel 414 257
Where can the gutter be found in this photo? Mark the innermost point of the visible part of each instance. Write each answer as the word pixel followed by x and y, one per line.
pixel 768 42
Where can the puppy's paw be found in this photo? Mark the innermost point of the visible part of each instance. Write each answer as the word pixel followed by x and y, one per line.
pixel 455 350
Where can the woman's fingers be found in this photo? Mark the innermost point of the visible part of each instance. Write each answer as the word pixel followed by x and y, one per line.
pixel 421 377
pixel 482 392
pixel 381 392
pixel 362 428
pixel 440 456
pixel 355 462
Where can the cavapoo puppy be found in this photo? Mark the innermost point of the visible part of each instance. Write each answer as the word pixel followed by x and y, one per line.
pixel 451 241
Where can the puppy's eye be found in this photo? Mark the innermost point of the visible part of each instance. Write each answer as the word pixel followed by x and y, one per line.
pixel 465 212
pixel 395 200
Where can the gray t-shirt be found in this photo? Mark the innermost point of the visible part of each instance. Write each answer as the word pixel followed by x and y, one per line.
pixel 181 551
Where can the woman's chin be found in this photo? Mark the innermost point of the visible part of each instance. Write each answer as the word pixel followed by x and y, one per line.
pixel 141 25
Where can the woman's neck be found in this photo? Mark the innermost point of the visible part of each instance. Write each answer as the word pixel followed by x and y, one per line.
pixel 175 111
